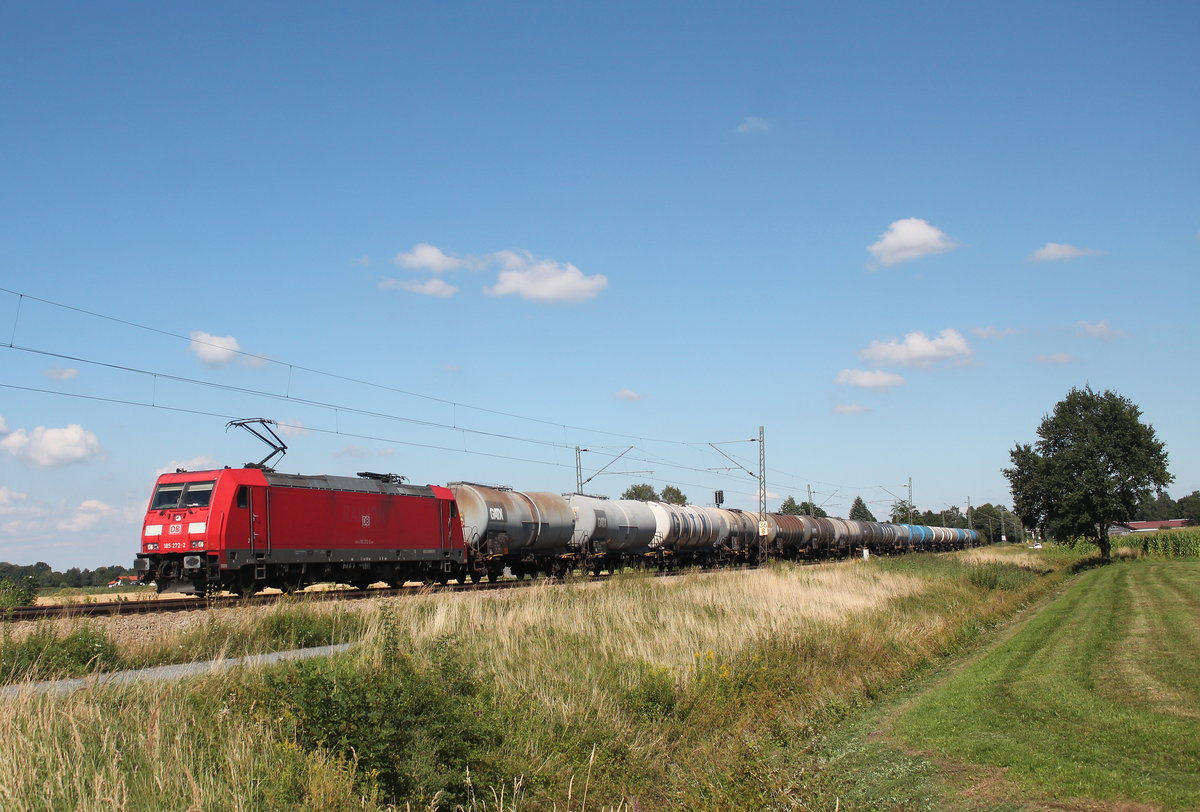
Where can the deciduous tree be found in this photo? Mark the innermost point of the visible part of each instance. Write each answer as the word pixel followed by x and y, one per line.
pixel 809 509
pixel 642 492
pixel 1093 462
pixel 673 496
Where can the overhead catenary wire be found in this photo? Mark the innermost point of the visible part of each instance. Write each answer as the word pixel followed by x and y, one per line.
pixel 336 409
pixel 288 396
pixel 336 376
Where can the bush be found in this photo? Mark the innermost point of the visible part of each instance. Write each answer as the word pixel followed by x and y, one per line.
pixel 21 592
pixel 413 730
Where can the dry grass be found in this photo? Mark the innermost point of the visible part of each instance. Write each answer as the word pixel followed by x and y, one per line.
pixel 646 687
pixel 1017 556
pixel 153 747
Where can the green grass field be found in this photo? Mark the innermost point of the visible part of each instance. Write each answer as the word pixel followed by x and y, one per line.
pixel 1096 697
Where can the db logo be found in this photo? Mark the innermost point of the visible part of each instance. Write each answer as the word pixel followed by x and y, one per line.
pixel 366 520
pixel 175 529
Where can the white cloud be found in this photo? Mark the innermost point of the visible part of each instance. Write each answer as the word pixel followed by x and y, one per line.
pixel 850 408
pixel 430 287
pixel 50 448
pixel 993 332
pixel 1060 252
pixel 908 239
pixel 543 280
pixel 770 495
pixel 387 452
pixel 918 350
pixel 869 379
pixel 753 124
pixel 86 516
pixel 1099 330
pixel 352 451
pixel 291 427
pixel 202 463
pixel 60 374
pixel 426 257
pixel 3 426
pixel 1056 358
pixel 364 261
pixel 214 350
pixel 7 499
pixel 628 394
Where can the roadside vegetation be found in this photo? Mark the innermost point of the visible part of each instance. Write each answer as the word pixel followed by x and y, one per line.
pixel 707 691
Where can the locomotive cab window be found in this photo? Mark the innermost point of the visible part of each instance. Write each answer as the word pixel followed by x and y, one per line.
pixel 166 496
pixel 198 494
pixel 182 494
pixel 243 496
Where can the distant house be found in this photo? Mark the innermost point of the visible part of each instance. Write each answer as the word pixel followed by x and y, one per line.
pixel 1125 528
pixel 124 580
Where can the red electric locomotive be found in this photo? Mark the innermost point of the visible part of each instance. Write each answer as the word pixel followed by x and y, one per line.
pixel 248 528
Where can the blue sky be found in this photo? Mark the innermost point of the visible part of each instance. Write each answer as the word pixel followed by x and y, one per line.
pixel 456 240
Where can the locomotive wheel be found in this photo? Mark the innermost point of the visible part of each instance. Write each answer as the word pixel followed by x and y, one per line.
pixel 246 586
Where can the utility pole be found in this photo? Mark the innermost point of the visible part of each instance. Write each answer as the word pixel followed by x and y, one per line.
pixel 910 504
pixel 810 504
pixel 969 527
pixel 762 495
pixel 579 470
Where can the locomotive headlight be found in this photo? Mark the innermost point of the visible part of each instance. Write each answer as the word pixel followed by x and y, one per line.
pixel 197 543
pixel 152 545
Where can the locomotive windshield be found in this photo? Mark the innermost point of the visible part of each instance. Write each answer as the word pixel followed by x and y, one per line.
pixel 182 494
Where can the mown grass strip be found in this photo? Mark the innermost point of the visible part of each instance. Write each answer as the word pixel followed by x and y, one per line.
pixel 1096 697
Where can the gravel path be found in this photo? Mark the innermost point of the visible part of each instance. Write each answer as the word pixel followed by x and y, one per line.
pixel 165 672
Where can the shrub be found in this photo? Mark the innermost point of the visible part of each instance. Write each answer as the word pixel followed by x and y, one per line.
pixel 413 729
pixel 18 593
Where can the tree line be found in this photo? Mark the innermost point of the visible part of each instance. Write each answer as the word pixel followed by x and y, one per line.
pixel 45 577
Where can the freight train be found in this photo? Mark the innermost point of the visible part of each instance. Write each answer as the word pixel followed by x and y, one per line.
pixel 243 529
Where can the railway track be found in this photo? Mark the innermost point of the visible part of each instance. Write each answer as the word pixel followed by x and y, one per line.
pixel 114 608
